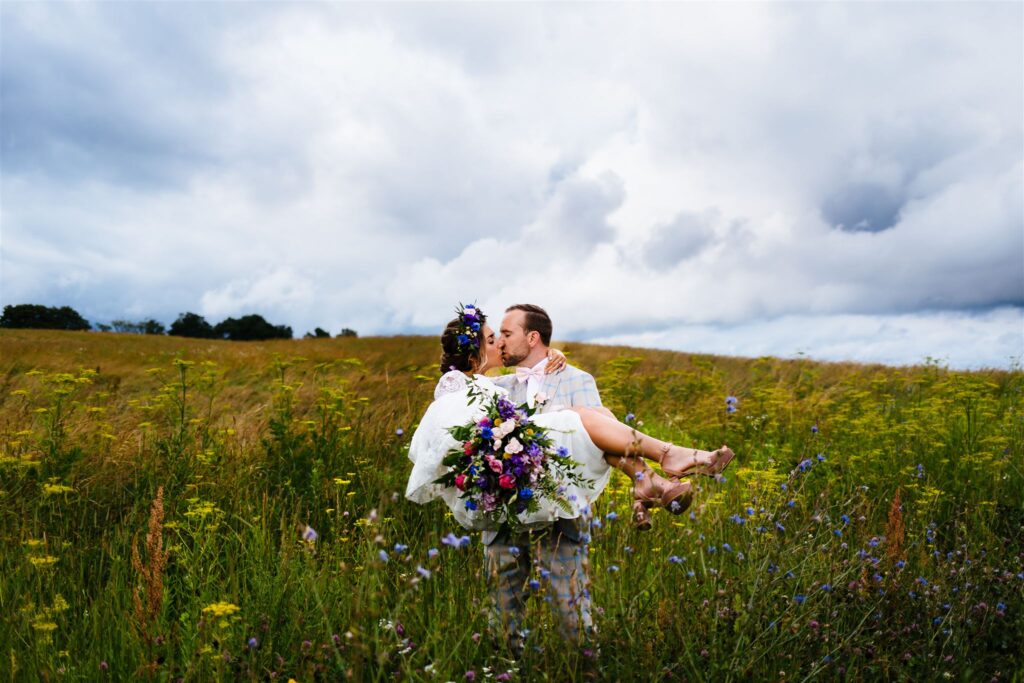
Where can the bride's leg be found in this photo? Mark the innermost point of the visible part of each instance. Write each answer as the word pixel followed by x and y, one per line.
pixel 616 439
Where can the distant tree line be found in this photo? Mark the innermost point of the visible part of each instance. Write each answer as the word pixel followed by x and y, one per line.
pixel 246 328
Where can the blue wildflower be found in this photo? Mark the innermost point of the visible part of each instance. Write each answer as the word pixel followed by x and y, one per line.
pixel 253 643
pixel 814 429
pixel 534 584
pixel 675 559
pixel 827 587
pixel 422 571
pixel 844 519
pixel 629 417
pixel 790 503
pixel 614 568
pixel 612 516
pixel 432 553
pixel 514 550
pixel 401 547
pixel 821 458
pixel 383 555
pixel 799 599
pixel 726 547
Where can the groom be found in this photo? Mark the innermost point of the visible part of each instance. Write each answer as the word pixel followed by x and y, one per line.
pixel 562 552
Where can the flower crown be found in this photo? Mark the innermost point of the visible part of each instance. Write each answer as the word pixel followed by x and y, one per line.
pixel 469 328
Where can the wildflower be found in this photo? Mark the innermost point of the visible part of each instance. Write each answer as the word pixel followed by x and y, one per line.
pixel 712 550
pixel 799 599
pixel 790 503
pixel 826 587
pixel 432 553
pixel 425 573
pixel 629 417
pixel 612 516
pixel 309 534
pixel 844 519
pixel 726 547
pixel 837 532
pixel 514 550
pixel 614 568
pixel 814 429
pixel 455 541
pixel 873 542
pixel 253 643
pixel 104 666
pixel 399 432
pixel 780 527
pixel 675 559
pixel 731 400
pixel 383 555
pixel 901 564
pixel 401 547
pixel 534 584
pixel 821 458
pixel 470 675
pixel 730 409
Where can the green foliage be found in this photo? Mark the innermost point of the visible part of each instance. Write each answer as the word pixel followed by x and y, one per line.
pixel 250 328
pixel 34 316
pixel 797 567
pixel 144 327
pixel 192 325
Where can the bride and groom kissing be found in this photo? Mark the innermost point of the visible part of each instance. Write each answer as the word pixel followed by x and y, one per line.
pixel 568 405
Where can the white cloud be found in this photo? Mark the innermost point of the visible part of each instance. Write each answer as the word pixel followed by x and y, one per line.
pixel 630 167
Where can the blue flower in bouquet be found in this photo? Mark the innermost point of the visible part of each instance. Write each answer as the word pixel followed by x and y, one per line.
pixel 471 504
pixel 486 434
pixel 526 493
pixel 563 452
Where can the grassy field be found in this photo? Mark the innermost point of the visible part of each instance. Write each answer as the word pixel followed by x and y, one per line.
pixel 154 494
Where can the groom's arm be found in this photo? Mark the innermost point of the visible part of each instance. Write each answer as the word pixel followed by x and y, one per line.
pixel 582 390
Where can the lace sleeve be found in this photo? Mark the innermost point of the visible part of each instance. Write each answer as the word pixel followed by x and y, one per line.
pixel 449 383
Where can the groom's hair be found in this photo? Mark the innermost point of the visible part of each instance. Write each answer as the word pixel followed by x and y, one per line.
pixel 537 320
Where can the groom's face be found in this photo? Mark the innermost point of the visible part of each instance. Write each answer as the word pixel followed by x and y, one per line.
pixel 512 342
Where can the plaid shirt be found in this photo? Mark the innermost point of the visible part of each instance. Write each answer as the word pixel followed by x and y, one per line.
pixel 570 387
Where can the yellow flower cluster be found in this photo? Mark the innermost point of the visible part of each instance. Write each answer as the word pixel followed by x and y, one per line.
pixel 221 609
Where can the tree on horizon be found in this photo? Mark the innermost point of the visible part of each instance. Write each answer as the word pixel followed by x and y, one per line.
pixel 36 316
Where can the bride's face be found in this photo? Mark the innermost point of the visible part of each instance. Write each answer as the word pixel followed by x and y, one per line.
pixel 492 356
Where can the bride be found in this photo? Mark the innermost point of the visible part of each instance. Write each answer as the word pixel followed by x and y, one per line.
pixel 594 439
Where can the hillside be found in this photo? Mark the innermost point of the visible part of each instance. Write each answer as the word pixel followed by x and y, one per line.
pixel 800 562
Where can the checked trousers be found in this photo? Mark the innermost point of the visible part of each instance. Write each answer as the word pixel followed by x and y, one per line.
pixel 545 565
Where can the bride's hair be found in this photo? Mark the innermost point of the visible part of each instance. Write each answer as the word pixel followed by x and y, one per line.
pixel 461 356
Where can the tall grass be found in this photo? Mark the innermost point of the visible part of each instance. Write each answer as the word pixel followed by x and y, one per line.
pixel 159 500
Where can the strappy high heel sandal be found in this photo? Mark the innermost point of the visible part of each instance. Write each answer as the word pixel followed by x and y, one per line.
pixel 673 496
pixel 720 459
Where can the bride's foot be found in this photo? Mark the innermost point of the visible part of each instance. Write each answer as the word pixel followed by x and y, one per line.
pixel 651 490
pixel 677 461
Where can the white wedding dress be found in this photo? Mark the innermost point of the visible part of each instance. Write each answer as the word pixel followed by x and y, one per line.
pixel 452 407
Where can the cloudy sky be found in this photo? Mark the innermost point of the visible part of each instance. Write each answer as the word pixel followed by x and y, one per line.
pixel 843 181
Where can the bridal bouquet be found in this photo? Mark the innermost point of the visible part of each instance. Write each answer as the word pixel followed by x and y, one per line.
pixel 505 464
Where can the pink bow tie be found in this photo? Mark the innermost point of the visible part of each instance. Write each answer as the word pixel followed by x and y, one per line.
pixel 524 374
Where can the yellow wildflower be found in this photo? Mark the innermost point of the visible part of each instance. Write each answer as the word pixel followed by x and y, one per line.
pixel 43 561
